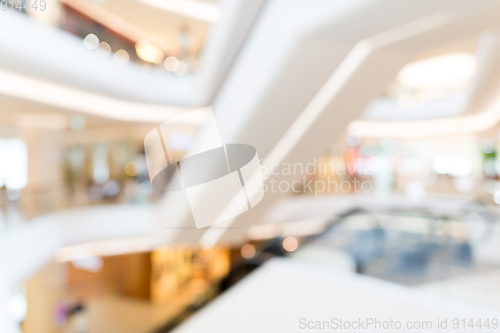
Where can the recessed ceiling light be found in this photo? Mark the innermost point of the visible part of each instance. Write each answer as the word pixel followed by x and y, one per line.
pixel 121 57
pixel 171 64
pixel 182 69
pixel 104 49
pixel 91 41
pixel 148 52
pixel 440 72
pixel 191 8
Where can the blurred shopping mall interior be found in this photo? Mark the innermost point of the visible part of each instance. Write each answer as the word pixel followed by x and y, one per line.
pixel 361 136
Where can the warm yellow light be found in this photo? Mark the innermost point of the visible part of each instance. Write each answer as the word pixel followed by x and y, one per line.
pixel 131 169
pixel 290 244
pixel 248 251
pixel 148 52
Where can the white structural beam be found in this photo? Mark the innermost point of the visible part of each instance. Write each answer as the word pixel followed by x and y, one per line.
pixel 368 68
pixel 61 59
pixel 287 60
pixel 486 84
pixel 28 247
pixel 287 295
pixel 482 109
